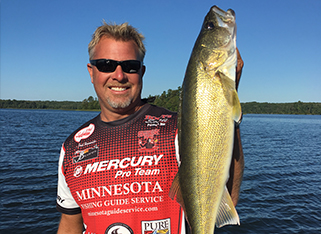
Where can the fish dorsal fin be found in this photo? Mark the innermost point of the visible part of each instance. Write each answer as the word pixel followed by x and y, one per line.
pixel 227 213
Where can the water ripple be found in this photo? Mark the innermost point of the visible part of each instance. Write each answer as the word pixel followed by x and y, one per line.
pixel 280 193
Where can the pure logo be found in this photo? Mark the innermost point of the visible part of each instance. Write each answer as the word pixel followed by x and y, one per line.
pixel 156 226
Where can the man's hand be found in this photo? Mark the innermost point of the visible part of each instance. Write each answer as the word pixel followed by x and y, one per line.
pixel 237 163
pixel 239 68
pixel 70 224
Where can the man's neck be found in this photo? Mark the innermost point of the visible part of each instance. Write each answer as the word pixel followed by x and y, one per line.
pixel 117 114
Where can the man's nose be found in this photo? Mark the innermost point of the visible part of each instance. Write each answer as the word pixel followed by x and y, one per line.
pixel 119 74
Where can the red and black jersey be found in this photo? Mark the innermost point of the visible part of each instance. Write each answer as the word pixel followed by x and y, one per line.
pixel 118 174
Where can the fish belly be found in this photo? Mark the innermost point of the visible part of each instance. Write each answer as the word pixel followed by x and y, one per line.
pixel 206 140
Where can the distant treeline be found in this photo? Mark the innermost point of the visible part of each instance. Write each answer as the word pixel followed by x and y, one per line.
pixel 170 100
pixel 18 104
pixel 87 104
pixel 294 108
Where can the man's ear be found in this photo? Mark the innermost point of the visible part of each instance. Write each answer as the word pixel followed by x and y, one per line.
pixel 90 70
pixel 143 70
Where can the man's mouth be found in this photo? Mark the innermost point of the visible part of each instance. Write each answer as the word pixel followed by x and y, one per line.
pixel 118 89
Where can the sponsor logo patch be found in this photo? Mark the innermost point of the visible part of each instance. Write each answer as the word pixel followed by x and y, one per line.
pixel 153 121
pixel 119 228
pixel 86 154
pixel 147 140
pixel 84 133
pixel 78 171
pixel 162 226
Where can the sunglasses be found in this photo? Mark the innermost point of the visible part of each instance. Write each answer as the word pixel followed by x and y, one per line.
pixel 108 65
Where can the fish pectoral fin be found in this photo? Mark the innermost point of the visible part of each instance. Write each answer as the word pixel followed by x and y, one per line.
pixel 176 191
pixel 237 109
pixel 232 96
pixel 227 213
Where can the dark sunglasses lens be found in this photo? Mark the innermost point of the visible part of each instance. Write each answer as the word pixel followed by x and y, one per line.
pixel 106 65
pixel 131 66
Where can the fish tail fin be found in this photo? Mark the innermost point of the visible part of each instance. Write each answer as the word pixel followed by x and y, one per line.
pixel 227 213
pixel 237 109
pixel 176 191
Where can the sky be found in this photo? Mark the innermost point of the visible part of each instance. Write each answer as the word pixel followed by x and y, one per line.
pixel 44 46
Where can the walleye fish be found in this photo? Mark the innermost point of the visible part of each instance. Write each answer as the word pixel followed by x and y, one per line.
pixel 209 107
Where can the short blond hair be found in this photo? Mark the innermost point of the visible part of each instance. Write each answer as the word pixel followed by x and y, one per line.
pixel 119 32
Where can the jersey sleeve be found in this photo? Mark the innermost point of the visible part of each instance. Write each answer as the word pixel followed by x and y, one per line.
pixel 65 202
pixel 177 149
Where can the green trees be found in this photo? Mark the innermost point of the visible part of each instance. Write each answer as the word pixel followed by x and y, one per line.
pixel 87 104
pixel 90 104
pixel 295 108
pixel 18 104
pixel 170 100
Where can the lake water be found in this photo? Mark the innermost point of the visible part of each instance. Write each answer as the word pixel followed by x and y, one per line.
pixel 280 193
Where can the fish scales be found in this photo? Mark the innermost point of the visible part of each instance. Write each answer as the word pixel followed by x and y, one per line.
pixel 206 123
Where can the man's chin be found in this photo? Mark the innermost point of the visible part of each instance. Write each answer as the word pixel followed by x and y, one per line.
pixel 119 104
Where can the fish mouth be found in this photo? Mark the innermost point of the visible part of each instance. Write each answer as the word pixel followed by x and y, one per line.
pixel 223 18
pixel 223 13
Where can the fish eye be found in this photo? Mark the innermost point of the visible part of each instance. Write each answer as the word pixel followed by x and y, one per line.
pixel 209 25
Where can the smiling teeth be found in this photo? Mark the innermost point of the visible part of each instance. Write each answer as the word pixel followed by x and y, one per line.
pixel 118 88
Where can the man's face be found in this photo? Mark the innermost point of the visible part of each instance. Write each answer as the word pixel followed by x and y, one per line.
pixel 117 91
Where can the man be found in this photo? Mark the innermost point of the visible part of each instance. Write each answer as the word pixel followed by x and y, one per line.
pixel 108 182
